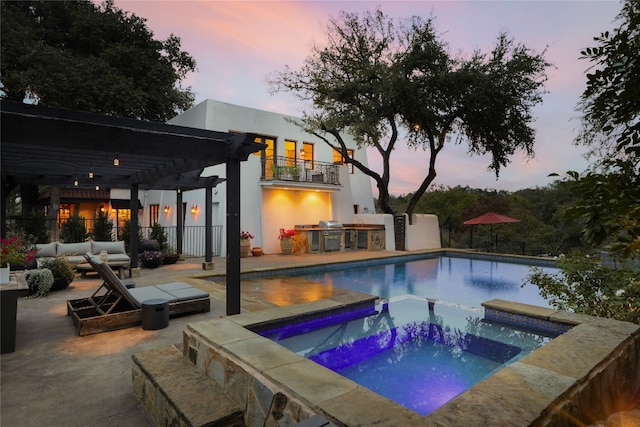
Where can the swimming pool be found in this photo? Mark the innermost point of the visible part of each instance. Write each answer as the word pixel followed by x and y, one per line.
pixel 411 350
pixel 465 281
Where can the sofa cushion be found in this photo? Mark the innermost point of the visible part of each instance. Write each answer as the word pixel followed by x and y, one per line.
pixel 46 249
pixel 75 259
pixel 110 247
pixel 119 258
pixel 73 248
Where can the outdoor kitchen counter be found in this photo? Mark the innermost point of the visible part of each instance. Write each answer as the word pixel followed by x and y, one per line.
pixel 310 238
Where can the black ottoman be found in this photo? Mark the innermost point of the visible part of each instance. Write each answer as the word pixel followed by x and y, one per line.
pixel 155 314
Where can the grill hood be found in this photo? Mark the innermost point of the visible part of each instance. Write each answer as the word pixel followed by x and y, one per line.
pixel 329 224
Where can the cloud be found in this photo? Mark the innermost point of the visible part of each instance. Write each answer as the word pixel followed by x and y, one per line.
pixel 238 43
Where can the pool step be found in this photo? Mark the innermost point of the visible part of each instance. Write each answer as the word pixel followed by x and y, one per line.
pixel 175 393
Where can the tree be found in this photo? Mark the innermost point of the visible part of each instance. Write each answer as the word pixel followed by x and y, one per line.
pixel 374 80
pixel 609 194
pixel 74 54
pixel 102 227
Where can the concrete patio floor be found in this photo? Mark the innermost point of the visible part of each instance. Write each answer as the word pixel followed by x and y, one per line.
pixel 56 378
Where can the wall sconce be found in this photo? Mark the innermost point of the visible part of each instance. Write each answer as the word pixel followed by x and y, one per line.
pixel 302 153
pixel 102 208
pixel 116 160
pixel 194 209
pixel 113 211
pixel 167 209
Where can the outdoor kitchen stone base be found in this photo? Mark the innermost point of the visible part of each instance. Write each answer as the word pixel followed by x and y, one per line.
pixel 584 375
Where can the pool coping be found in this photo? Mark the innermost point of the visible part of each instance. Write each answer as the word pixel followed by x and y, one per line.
pixel 590 371
pixel 386 258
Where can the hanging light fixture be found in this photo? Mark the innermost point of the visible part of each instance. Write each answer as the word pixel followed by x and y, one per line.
pixel 75 182
pixel 91 173
pixel 97 187
pixel 116 160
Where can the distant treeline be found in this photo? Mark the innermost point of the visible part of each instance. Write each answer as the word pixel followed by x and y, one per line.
pixel 542 229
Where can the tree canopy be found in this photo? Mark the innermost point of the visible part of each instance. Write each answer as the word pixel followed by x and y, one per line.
pixel 376 79
pixel 609 194
pixel 74 54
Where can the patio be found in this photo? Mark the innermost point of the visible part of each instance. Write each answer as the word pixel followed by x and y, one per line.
pixel 57 378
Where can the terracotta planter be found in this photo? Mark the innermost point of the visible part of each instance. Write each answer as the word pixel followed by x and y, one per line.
pixel 245 248
pixel 257 251
pixel 286 246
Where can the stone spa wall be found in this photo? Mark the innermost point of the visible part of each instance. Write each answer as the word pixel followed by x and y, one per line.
pixel 585 374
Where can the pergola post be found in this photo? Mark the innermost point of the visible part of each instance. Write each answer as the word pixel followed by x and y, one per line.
pixel 179 221
pixel 233 236
pixel 208 224
pixel 133 226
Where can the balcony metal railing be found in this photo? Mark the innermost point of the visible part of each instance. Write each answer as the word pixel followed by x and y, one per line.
pixel 288 169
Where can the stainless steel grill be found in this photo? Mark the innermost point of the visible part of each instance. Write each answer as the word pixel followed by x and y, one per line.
pixel 330 227
pixel 331 232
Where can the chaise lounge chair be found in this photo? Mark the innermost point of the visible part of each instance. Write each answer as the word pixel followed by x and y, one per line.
pixel 113 306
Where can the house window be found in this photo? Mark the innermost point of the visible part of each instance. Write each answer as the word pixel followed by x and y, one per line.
pixel 290 152
pixel 154 212
pixel 306 155
pixel 64 213
pixel 338 159
pixel 267 155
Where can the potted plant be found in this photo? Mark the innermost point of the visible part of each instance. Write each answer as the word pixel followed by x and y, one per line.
pixel 294 171
pixel 245 243
pixel 62 270
pixel 286 240
pixel 151 259
pixel 158 233
pixel 16 252
pixel 39 280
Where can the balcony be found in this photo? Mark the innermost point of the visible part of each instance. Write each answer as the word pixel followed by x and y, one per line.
pixel 299 171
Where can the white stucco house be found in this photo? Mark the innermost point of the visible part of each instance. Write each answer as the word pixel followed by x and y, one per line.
pixel 297 180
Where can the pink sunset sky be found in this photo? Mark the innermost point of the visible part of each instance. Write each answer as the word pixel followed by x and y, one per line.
pixel 237 44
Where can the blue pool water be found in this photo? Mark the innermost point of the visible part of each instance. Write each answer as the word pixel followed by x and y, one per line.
pixel 464 281
pixel 403 350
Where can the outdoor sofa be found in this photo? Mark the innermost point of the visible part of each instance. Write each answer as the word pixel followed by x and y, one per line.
pixel 114 306
pixel 74 252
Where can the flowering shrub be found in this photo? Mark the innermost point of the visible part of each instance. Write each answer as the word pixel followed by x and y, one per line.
pixel 16 251
pixel 287 234
pixel 39 281
pixel 150 255
pixel 245 235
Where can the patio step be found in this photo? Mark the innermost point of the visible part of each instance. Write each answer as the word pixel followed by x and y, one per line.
pixel 175 393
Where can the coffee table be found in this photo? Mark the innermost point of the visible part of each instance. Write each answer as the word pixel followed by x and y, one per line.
pixel 117 266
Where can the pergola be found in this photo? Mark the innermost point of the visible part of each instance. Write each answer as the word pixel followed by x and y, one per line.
pixel 49 146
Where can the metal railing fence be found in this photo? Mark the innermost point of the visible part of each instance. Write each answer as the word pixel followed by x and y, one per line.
pixel 193 237
pixel 289 169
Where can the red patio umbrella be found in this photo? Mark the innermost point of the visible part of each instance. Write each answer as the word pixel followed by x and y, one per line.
pixel 488 218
